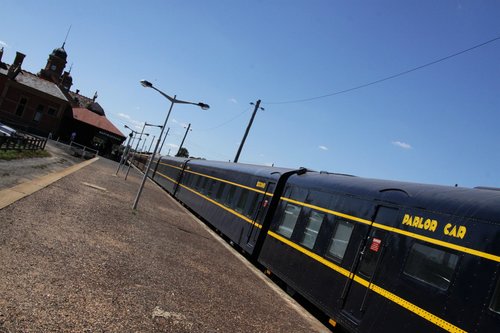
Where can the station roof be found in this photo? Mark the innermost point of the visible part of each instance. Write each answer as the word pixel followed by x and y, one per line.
pixel 96 120
pixel 31 80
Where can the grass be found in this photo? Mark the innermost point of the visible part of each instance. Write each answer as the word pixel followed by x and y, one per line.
pixel 18 154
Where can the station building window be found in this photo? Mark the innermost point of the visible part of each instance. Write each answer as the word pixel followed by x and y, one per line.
pixel 495 300
pixel 312 229
pixel 52 112
pixel 288 220
pixel 431 266
pixel 21 106
pixel 38 113
pixel 340 240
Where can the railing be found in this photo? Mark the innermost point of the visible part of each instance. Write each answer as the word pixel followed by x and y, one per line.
pixel 83 151
pixel 25 142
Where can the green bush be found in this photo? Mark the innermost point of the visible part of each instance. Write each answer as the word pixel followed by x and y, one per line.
pixel 17 154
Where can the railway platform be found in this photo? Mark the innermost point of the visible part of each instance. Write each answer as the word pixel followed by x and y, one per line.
pixel 75 257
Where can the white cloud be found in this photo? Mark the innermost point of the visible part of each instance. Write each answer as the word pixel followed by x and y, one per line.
pixel 123 115
pixel 233 100
pixel 323 147
pixel 172 145
pixel 403 145
pixel 3 44
pixel 137 124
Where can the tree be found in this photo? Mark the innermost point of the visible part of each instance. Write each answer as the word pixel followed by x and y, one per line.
pixel 183 152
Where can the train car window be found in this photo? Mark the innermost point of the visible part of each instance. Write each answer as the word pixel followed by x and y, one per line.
pixel 495 300
pixel 203 185
pixel 186 178
pixel 312 229
pixel 288 220
pixel 220 191
pixel 198 182
pixel 240 205
pixel 230 195
pixel 192 179
pixel 210 187
pixel 340 240
pixel 432 266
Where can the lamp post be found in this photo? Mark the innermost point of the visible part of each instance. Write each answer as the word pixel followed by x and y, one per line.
pixel 173 100
pixel 144 142
pixel 127 148
pixel 135 151
pixel 143 127
pixel 159 153
pixel 151 144
pixel 184 138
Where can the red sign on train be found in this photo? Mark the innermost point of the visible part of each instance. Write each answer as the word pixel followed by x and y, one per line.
pixel 375 244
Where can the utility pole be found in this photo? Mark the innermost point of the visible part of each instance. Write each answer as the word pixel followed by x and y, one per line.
pixel 184 138
pixel 257 107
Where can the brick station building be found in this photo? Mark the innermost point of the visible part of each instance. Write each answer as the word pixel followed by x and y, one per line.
pixel 43 104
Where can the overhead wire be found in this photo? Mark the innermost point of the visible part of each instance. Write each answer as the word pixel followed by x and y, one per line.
pixel 226 122
pixel 388 77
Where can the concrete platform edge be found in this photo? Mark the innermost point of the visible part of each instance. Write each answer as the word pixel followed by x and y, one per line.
pixel 13 194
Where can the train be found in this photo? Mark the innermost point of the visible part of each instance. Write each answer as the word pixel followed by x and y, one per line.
pixel 370 255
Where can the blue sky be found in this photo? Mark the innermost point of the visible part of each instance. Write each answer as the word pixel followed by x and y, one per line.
pixel 436 125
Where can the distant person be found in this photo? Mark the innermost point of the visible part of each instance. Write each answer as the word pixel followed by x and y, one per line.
pixel 73 136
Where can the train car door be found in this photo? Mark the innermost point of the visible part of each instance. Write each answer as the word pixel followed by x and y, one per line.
pixel 259 214
pixel 357 296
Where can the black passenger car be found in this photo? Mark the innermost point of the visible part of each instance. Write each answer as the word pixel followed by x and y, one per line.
pixel 372 255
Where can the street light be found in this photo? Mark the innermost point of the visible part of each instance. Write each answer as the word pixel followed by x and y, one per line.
pixel 151 144
pixel 136 148
pixel 159 157
pixel 144 142
pixel 140 137
pixel 127 148
pixel 173 100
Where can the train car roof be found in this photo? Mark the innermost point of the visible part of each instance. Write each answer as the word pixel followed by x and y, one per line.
pixel 254 169
pixel 468 202
pixel 480 203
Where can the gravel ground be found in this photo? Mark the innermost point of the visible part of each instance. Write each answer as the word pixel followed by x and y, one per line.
pixel 17 171
pixel 75 257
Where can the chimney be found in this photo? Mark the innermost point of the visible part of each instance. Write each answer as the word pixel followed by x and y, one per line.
pixel 1 54
pixel 18 61
pixel 15 68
